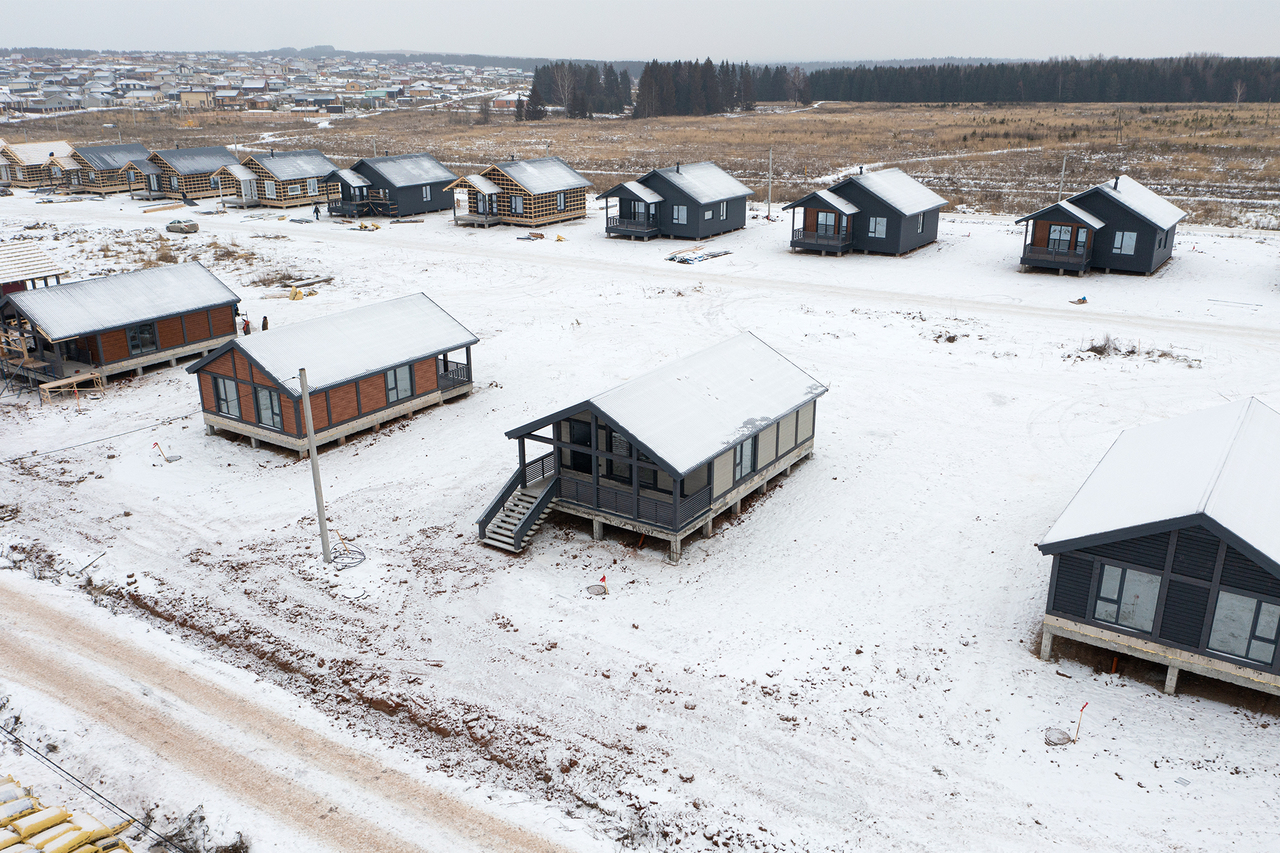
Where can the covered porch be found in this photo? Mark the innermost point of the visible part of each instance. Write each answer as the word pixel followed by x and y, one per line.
pixel 1059 237
pixel 826 224
pixel 353 197
pixel 637 211
pixel 482 201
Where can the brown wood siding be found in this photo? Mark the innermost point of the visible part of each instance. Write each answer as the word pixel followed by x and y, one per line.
pixel 206 392
pixel 169 333
pixel 197 323
pixel 373 393
pixel 424 376
pixel 319 415
pixel 1040 233
pixel 224 320
pixel 247 411
pixel 115 346
pixel 342 402
pixel 289 420
pixel 221 365
pixel 261 378
pixel 810 219
pixel 91 344
pixel 242 365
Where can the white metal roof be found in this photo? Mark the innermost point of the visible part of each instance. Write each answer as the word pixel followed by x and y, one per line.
pixel 1078 212
pixel 544 175
pixel 23 260
pixel 409 170
pixel 705 182
pixel 293 165
pixel 77 308
pixel 697 407
pixel 37 153
pixel 340 347
pixel 642 192
pixel 239 172
pixel 843 205
pixel 900 191
pixel 1142 201
pixel 350 178
pixel 1223 462
pixel 483 185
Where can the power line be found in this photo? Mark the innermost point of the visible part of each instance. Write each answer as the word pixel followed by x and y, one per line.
pixel 164 422
pixel 84 786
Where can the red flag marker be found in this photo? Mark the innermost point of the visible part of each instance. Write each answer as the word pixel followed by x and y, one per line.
pixel 1079 721
pixel 602 579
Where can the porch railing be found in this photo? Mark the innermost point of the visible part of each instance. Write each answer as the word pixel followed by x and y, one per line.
pixel 618 502
pixel 453 374
pixel 695 505
pixel 543 466
pixel 820 238
pixel 496 505
pixel 1062 256
pixel 638 225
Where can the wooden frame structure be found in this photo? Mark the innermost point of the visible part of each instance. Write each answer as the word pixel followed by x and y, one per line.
pixel 111 168
pixel 529 193
pixel 186 172
pixel 28 163
pixel 292 178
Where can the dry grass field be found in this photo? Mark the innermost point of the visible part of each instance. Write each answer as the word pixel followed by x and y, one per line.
pixel 1218 161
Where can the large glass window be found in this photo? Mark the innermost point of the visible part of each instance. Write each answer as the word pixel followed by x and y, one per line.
pixel 1125 242
pixel 724 210
pixel 215 182
pixel 142 338
pixel 876 226
pixel 269 189
pixel 680 214
pixel 744 459
pixel 1060 238
pixel 1245 627
pixel 618 445
pixel 313 186
pixel 399 384
pixel 920 223
pixel 268 403
pixel 426 193
pixel 226 397
pixel 826 223
pixel 580 434
pixel 517 204
pixel 559 201
pixel 1127 597
pixel 1082 237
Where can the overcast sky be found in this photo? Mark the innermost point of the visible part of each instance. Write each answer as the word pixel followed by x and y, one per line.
pixel 752 30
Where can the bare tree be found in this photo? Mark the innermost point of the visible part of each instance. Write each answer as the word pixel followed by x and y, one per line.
pixel 562 75
pixel 1237 89
pixel 483 115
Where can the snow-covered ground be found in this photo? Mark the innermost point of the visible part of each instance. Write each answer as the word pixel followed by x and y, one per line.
pixel 849 664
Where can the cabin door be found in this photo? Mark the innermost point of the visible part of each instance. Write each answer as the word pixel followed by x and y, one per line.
pixel 249 189
pixel 482 203
pixel 153 183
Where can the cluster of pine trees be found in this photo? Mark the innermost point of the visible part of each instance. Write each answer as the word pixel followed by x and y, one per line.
pixel 703 88
pixel 1180 80
pixel 583 90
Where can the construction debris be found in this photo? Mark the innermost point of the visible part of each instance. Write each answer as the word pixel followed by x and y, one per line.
pixel 694 255
pixel 27 825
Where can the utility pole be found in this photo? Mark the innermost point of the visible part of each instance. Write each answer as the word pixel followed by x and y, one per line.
pixel 770 209
pixel 315 465
pixel 1062 179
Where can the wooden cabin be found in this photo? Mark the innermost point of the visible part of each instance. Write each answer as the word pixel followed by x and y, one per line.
pixel 188 172
pixel 1170 551
pixel 112 168
pixel 693 200
pixel 26 266
pixel 892 214
pixel 292 178
pixel 119 323
pixel 236 185
pixel 1119 225
pixel 664 453
pixel 28 164
pixel 352 199
pixel 365 367
pixel 530 193
pixel 405 185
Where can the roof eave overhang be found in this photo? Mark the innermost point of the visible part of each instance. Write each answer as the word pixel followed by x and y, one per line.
pixel 590 406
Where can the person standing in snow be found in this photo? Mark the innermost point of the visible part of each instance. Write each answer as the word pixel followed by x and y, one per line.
pixel 264 322
pixel 245 328
pixel 316 211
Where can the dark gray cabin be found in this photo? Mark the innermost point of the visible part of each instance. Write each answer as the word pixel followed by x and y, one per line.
pixel 664 453
pixel 893 214
pixel 406 184
pixel 694 200
pixel 1119 225
pixel 1170 552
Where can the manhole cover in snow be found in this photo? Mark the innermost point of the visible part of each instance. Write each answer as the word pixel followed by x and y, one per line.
pixel 597 589
pixel 1056 737
pixel 354 593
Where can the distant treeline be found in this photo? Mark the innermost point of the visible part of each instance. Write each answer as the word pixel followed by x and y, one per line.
pixel 583 90
pixel 702 88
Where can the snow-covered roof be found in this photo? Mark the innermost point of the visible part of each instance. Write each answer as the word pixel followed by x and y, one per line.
pixel 544 175
pixel 900 191
pixel 197 161
pixel 23 260
pixel 145 167
pixel 1142 201
pixel 77 308
pixel 1223 463
pixel 37 153
pixel 636 189
pixel 350 178
pixel 705 183
pixel 483 185
pixel 294 165
pixel 693 409
pixel 843 205
pixel 1078 212
pixel 239 172
pixel 349 344
pixel 409 170
pixel 105 157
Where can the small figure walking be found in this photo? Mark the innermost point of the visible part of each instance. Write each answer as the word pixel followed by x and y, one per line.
pixel 264 322
pixel 316 211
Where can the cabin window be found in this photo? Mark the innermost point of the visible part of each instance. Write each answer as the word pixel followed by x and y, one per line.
pixel 1082 237
pixel 426 193
pixel 1060 238
pixel 313 186
pixel 215 182
pixel 1125 242
pixel 637 210
pixel 618 445
pixel 142 338
pixel 399 384
pixel 1127 597
pixel 580 434
pixel 482 203
pixel 295 189
pixel 744 459
pixel 93 177
pixel 131 176
pixel 17 172
pixel 679 214
pixel 724 210
pixel 826 223
pixel 268 403
pixel 876 226
pixel 1245 627
pixel 226 396
pixel 706 215
pixel 559 201
pixel 173 182
pixel 269 189
pixel 920 223
pixel 517 204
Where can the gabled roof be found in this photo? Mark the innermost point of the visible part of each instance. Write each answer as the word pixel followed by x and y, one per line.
pixel 898 190
pixel 544 175
pixel 705 183
pixel 1220 466
pixel 145 167
pixel 407 170
pixel 688 411
pixel 825 199
pixel 1140 201
pixel 632 189
pixel 480 183
pixel 77 308
pixel 1078 214
pixel 350 344
pixel 107 157
pixel 196 161
pixel 238 171
pixel 23 260
pixel 37 153
pixel 348 177
pixel 294 165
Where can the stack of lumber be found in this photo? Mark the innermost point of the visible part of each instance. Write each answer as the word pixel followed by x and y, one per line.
pixel 27 826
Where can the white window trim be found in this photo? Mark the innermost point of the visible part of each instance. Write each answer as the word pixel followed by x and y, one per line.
pixel 724 210
pixel 878 227
pixel 1125 243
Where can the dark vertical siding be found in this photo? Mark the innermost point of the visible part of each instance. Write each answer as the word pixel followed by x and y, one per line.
pixel 1071 592
pixel 1196 553
pixel 1239 572
pixel 1184 609
pixel 1147 551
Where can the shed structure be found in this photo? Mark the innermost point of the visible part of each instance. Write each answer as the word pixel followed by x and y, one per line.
pixel 530 193
pixel 292 178
pixel 112 168
pixel 1170 551
pixel 693 200
pixel 28 164
pixel 119 323
pixel 188 172
pixel 26 266
pixel 664 453
pixel 406 184
pixel 1119 225
pixel 892 213
pixel 365 366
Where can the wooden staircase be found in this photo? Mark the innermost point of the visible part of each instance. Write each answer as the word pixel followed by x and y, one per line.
pixel 500 533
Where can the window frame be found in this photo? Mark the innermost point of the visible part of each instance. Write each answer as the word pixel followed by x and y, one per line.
pixel 517 205
pixel 224 403
pixel 707 215
pixel 724 210
pixel 295 190
pixel 825 227
pixel 134 335
pixel 920 223
pixel 173 183
pixel 1125 243
pixel 275 412
pixel 561 202
pixel 426 192
pixel 313 186
pixel 393 379
pixel 580 461
pixel 1117 602
pixel 740 459
pixel 269 190
pixel 679 214
pixel 1056 242
pixel 877 227
pixel 1252 636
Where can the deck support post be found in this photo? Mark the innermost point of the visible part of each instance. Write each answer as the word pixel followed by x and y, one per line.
pixel 763 487
pixel 597 529
pixel 708 527
pixel 342 441
pixel 173 362
pixel 253 442
pixel 1046 646
pixel 137 371
pixel 209 429
pixel 736 509
pixel 302 453
pixel 674 554
pixel 1171 680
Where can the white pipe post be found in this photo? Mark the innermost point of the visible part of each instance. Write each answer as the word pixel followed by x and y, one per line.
pixel 1063 178
pixel 769 213
pixel 315 464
